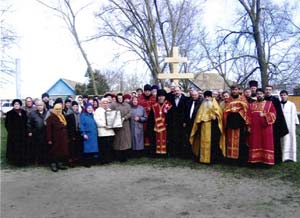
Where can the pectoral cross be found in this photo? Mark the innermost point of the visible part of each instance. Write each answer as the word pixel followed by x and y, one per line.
pixel 174 61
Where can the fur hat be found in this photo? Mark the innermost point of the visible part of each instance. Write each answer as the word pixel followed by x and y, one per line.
pixel 16 100
pixel 253 83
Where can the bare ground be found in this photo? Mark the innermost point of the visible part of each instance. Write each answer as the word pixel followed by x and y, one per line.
pixel 118 191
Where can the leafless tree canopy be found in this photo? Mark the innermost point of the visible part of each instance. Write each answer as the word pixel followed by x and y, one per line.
pixel 151 28
pixel 65 10
pixel 263 44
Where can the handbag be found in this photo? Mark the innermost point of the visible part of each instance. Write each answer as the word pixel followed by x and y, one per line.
pixel 113 119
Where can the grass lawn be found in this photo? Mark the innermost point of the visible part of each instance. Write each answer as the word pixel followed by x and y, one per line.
pixel 285 171
pixel 3 143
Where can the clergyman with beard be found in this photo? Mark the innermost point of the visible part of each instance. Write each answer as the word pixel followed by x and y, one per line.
pixel 207 136
pixel 261 144
pixel 236 121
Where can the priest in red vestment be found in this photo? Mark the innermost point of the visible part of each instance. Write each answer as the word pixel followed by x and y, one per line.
pixel 236 121
pixel 158 120
pixel 261 144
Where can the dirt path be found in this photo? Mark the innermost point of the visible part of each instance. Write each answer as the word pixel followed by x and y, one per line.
pixel 117 191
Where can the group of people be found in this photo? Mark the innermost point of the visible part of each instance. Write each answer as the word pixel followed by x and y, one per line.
pixel 243 126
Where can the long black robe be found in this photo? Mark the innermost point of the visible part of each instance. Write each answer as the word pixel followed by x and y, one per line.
pixel 16 150
pixel 75 138
pixel 280 128
pixel 176 133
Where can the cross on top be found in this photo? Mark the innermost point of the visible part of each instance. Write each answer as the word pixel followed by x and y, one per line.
pixel 174 61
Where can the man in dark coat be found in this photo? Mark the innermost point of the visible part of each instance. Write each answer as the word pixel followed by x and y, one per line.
pixel 15 124
pixel 171 94
pixel 75 138
pixel 37 132
pixel 45 99
pixel 191 109
pixel 176 130
pixel 280 128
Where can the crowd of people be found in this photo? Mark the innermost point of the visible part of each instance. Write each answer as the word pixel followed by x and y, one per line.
pixel 242 126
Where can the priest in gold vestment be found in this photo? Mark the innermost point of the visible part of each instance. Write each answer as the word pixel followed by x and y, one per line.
pixel 207 136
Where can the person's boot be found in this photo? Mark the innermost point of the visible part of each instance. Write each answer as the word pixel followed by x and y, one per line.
pixel 53 167
pixel 87 163
pixel 71 163
pixel 61 166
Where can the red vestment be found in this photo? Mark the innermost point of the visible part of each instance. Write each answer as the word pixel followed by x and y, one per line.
pixel 160 126
pixel 261 145
pixel 235 105
pixel 146 103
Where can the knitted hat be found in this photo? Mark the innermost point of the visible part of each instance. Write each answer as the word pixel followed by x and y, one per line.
pixel 74 103
pixel 161 92
pixel 147 87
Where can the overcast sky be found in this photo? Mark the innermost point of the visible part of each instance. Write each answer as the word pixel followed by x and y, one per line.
pixel 47 51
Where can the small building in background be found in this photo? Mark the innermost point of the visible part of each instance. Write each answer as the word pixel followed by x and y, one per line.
pixel 211 81
pixel 62 88
pixel 297 90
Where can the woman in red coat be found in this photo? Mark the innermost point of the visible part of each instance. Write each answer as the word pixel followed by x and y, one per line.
pixel 57 137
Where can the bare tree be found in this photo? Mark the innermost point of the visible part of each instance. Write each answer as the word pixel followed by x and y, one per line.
pixel 150 29
pixel 64 9
pixel 265 40
pixel 8 38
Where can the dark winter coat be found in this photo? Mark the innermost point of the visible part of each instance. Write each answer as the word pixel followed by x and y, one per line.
pixel 36 126
pixel 15 124
pixel 58 134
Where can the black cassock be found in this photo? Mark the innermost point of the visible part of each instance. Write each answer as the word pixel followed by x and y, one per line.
pixel 176 132
pixel 280 128
pixel 75 138
pixel 16 150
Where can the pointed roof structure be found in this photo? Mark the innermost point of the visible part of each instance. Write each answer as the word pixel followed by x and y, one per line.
pixel 63 87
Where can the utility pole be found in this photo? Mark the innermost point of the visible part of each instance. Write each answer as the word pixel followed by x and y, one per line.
pixel 18 79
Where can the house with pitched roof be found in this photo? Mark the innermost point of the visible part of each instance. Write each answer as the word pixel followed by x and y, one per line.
pixel 63 87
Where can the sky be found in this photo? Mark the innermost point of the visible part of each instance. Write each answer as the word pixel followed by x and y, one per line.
pixel 47 52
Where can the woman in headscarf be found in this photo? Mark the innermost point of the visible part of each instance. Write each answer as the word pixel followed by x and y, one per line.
pixel 105 135
pixel 88 130
pixel 57 137
pixel 122 139
pixel 138 117
pixel 15 124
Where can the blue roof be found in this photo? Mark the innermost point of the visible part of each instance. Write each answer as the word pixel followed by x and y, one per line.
pixel 61 88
